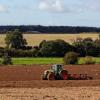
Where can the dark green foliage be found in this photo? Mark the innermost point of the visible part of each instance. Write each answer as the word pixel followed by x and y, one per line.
pixel 87 47
pixel 89 60
pixel 49 29
pixel 16 46
pixel 6 60
pixel 71 58
pixel 23 53
pixel 41 43
pixel 1 51
pixel 15 40
pixel 56 48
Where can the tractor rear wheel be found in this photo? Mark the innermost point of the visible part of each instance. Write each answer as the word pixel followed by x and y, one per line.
pixel 64 74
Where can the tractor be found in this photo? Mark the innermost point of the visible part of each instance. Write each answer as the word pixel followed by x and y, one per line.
pixel 56 72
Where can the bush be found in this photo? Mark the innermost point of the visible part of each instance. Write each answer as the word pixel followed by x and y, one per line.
pixel 23 53
pixel 6 60
pixel 87 47
pixel 71 58
pixel 1 51
pixel 89 60
pixel 54 48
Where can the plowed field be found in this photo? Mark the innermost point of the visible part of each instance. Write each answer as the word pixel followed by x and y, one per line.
pixel 24 83
pixel 30 76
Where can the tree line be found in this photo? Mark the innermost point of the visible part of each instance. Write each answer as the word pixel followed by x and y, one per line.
pixel 48 29
pixel 16 46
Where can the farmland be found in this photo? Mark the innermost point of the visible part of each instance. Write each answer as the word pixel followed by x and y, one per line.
pixel 34 72
pixel 68 93
pixel 24 82
pixel 35 39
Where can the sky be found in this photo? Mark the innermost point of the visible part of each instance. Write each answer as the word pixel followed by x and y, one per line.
pixel 50 12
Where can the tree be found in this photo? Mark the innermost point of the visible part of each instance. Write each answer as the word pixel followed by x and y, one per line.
pixel 97 45
pixel 99 36
pixel 15 39
pixel 90 47
pixel 55 48
pixel 87 47
pixel 41 43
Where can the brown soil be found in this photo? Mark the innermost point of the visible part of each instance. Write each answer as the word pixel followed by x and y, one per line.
pixel 30 76
pixel 66 93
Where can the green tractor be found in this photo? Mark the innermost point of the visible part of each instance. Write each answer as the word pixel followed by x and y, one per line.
pixel 56 72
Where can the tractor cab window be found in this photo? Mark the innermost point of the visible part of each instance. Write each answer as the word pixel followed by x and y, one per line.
pixel 57 68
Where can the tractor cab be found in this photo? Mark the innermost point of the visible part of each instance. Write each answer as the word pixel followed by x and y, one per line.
pixel 57 68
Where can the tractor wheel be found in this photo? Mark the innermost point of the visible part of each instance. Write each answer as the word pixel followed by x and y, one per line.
pixel 43 77
pixel 50 76
pixel 64 74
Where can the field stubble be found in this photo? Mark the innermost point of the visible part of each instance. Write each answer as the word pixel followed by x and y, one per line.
pixel 35 39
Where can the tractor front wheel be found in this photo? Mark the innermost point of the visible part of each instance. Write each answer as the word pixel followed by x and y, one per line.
pixel 50 76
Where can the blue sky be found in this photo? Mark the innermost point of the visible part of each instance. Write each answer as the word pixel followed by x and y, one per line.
pixel 50 12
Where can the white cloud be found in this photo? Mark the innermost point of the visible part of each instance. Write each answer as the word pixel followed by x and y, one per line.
pixel 89 5
pixel 52 5
pixel 3 8
pixel 60 6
